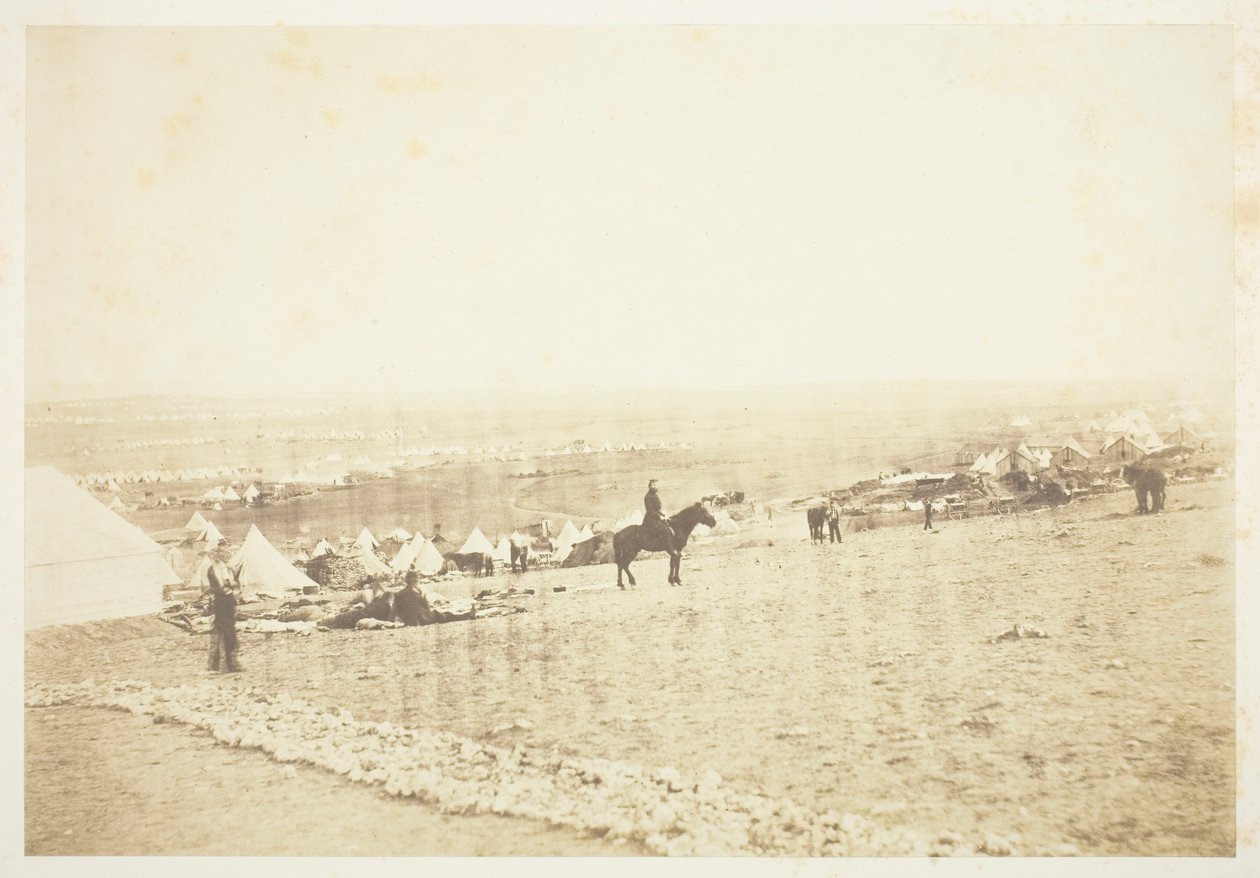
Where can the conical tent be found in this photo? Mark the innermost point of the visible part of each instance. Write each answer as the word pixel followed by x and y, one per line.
pixel 366 540
pixel 251 493
pixel 503 551
pixel 477 542
pixel 586 534
pixel 259 567
pixel 429 562
pixel 398 533
pixel 371 563
pixel 404 559
pixel 117 505
pixel 321 548
pixel 568 534
pixel 210 533
pixel 229 493
pixel 197 523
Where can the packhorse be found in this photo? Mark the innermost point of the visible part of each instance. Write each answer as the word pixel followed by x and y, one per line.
pixel 817 518
pixel 1146 481
pixel 630 541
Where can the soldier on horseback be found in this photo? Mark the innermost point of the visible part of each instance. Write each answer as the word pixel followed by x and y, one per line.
pixel 654 521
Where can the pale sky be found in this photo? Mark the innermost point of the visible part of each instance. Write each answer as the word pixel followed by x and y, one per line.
pixel 248 210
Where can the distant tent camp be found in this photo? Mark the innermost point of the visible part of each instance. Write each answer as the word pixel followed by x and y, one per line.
pixel 83 562
pixel 260 567
pixel 399 534
pixel 1020 421
pixel 214 495
pixel 477 543
pixel 116 505
pixel 367 541
pixel 251 493
pixel 321 548
pixel 429 562
pixel 229 493
pixel 198 522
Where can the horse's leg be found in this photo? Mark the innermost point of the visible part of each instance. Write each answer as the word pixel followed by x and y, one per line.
pixel 675 563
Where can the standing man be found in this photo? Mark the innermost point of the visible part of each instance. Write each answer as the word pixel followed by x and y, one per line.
pixel 225 591
pixel 927 514
pixel 653 518
pixel 833 521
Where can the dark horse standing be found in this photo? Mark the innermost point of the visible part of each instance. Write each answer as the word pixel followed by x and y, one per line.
pixel 817 518
pixel 630 541
pixel 1146 480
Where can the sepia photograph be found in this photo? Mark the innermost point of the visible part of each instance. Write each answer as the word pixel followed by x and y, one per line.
pixel 693 437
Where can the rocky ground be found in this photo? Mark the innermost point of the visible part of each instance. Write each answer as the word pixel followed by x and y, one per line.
pixel 1054 683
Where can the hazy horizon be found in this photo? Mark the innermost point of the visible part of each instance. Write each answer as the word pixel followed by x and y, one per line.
pixel 216 210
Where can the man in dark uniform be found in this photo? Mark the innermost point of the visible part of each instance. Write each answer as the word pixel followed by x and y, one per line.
pixel 833 522
pixel 224 593
pixel 654 520
pixel 411 607
pixel 927 514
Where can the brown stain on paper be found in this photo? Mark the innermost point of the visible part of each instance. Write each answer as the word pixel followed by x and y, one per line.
pixel 417 148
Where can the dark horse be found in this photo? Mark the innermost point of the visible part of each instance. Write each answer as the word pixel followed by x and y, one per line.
pixel 630 541
pixel 817 518
pixel 1146 480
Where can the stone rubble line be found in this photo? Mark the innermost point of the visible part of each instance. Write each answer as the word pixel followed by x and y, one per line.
pixel 668 814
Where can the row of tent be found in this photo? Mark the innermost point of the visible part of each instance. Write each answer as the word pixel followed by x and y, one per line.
pixel 228 494
pixel 115 479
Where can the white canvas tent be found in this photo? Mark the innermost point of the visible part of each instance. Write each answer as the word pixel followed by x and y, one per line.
pixel 260 567
pixel 477 542
pixel 429 561
pixel 251 493
pixel 210 533
pixel 405 557
pixel 116 505
pixel 370 561
pixel 586 534
pixel 321 548
pixel 83 562
pixel 503 551
pixel 229 493
pixel 366 541
pixel 398 533
pixel 632 516
pixel 198 522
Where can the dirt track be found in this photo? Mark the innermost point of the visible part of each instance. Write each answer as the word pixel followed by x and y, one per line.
pixel 859 678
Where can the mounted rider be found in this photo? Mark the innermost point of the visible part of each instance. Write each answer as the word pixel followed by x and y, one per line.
pixel 654 520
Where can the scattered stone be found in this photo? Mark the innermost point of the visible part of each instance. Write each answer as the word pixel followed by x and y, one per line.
pixel 1020 632
pixel 793 732
pixel 1117 663
pixel 995 846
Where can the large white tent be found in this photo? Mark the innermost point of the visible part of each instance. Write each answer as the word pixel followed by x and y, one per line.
pixel 197 522
pixel 260 567
pixel 321 548
pixel 503 551
pixel 429 560
pixel 366 541
pixel 83 562
pixel 477 542
pixel 209 533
